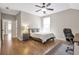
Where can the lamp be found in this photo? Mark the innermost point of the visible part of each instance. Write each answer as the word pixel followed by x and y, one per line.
pixel 44 10
pixel 25 28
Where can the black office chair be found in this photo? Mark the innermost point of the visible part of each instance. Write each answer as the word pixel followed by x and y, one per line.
pixel 69 38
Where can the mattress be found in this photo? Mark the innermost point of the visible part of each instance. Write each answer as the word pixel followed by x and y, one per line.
pixel 43 36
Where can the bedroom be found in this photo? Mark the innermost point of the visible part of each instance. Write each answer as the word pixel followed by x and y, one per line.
pixel 20 20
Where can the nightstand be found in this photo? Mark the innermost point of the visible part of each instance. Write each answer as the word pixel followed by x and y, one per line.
pixel 25 36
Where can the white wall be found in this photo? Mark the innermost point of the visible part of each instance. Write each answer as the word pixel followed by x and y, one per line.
pixel 8 16
pixel 24 18
pixel 14 34
pixel 33 20
pixel 13 19
pixel 65 19
pixel 18 29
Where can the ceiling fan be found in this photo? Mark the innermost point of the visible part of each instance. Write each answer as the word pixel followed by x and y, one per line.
pixel 44 7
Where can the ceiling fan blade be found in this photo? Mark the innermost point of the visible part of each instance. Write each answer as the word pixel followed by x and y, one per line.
pixel 38 6
pixel 38 10
pixel 49 9
pixel 48 4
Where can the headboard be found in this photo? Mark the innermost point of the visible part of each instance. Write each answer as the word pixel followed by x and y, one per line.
pixel 34 30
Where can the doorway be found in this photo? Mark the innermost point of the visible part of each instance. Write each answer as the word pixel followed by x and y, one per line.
pixel 6 35
pixel 7 29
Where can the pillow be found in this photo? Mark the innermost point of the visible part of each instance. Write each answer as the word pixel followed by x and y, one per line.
pixel 34 30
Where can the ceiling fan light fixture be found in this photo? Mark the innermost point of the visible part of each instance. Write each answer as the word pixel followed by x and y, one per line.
pixel 6 7
pixel 43 9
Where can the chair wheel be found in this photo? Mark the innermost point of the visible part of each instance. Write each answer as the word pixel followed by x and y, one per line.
pixel 66 50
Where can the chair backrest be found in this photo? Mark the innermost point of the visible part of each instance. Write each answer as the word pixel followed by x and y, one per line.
pixel 68 32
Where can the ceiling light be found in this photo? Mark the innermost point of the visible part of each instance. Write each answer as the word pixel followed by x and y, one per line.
pixel 6 7
pixel 44 9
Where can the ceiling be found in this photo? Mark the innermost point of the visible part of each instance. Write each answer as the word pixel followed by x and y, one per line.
pixel 30 8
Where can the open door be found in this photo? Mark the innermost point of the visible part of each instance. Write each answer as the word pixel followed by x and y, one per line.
pixel 6 35
pixel 7 29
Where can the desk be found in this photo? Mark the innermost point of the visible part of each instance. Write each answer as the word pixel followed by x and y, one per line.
pixel 76 44
pixel 76 38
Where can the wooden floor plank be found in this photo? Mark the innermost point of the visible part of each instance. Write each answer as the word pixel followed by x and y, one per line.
pixel 29 47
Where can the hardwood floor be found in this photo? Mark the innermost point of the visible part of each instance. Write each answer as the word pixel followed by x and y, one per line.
pixel 29 47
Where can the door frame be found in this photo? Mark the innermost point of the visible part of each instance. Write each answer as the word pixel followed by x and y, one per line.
pixel 1 34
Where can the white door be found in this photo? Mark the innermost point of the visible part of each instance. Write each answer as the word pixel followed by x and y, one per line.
pixel 7 29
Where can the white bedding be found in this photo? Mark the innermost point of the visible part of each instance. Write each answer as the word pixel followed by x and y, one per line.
pixel 42 36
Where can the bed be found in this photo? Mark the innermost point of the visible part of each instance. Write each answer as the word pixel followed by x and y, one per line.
pixel 43 36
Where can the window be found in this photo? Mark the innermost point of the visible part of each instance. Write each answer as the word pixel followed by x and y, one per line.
pixel 46 24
